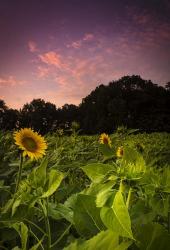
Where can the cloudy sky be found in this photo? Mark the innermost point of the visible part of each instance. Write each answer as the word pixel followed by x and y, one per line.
pixel 60 50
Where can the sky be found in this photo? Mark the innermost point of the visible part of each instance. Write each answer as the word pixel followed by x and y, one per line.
pixel 60 50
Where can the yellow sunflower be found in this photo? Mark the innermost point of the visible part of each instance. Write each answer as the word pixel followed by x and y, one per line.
pixel 104 139
pixel 119 152
pixel 33 144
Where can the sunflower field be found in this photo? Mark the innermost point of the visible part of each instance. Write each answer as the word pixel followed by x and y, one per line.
pixel 72 192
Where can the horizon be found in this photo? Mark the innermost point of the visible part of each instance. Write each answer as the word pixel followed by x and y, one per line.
pixel 60 51
pixel 60 107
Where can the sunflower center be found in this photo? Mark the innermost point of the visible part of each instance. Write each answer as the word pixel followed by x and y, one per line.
pixel 29 144
pixel 105 140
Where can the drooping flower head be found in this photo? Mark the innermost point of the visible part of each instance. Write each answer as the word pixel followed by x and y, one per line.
pixel 104 139
pixel 32 144
pixel 119 152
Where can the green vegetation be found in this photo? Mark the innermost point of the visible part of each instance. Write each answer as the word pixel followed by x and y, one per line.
pixel 82 196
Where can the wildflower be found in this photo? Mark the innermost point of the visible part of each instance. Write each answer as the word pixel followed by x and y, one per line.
pixel 32 144
pixel 119 152
pixel 104 139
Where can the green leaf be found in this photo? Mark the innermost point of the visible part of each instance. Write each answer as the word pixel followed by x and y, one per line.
pixel 97 171
pixel 55 178
pixel 107 151
pixel 60 211
pixel 22 230
pixel 140 215
pixel 153 236
pixel 133 164
pixel 104 194
pixel 87 216
pixel 105 240
pixel 71 201
pixel 117 217
pixel 38 176
pixel 15 206
pixel 8 206
pixel 124 245
pixel 101 191
pixel 166 180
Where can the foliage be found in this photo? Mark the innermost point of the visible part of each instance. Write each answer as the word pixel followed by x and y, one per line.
pixel 82 196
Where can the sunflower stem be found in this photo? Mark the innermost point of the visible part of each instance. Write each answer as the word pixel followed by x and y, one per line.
pixel 129 197
pixel 169 215
pixel 19 173
pixel 61 237
pixel 121 186
pixel 44 207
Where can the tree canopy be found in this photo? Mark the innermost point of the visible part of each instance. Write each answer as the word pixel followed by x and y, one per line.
pixel 129 101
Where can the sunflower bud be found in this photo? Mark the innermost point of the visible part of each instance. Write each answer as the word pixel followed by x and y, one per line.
pixel 119 152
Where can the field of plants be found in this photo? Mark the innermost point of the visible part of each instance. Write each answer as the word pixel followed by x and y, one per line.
pixel 73 192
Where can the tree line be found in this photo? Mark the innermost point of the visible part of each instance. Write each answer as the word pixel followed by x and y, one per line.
pixel 130 101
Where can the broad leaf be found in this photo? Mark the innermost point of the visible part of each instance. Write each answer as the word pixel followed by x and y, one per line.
pixel 15 206
pixel 38 176
pixel 153 236
pixel 60 211
pixel 22 230
pixel 55 178
pixel 87 216
pixel 117 217
pixel 104 194
pixel 97 171
pixel 105 240
pixel 107 151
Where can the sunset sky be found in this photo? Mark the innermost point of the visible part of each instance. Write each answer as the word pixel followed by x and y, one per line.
pixel 60 50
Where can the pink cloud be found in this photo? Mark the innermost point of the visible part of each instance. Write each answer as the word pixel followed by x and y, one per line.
pixel 42 72
pixel 61 80
pixel 10 81
pixel 88 37
pixel 51 58
pixel 76 44
pixel 79 43
pixel 32 46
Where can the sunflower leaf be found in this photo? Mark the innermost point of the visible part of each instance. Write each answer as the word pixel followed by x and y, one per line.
pixel 38 176
pixel 55 178
pixel 117 217
pixel 97 171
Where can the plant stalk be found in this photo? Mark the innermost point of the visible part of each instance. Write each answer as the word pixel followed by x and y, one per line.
pixel 19 173
pixel 129 197
pixel 169 215
pixel 61 237
pixel 44 207
pixel 121 186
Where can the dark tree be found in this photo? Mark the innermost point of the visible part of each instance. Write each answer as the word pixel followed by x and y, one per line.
pixel 167 86
pixel 130 101
pixel 8 117
pixel 39 115
pixel 67 114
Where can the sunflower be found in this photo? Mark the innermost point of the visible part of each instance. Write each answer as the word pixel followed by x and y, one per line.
pixel 32 144
pixel 119 152
pixel 104 139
